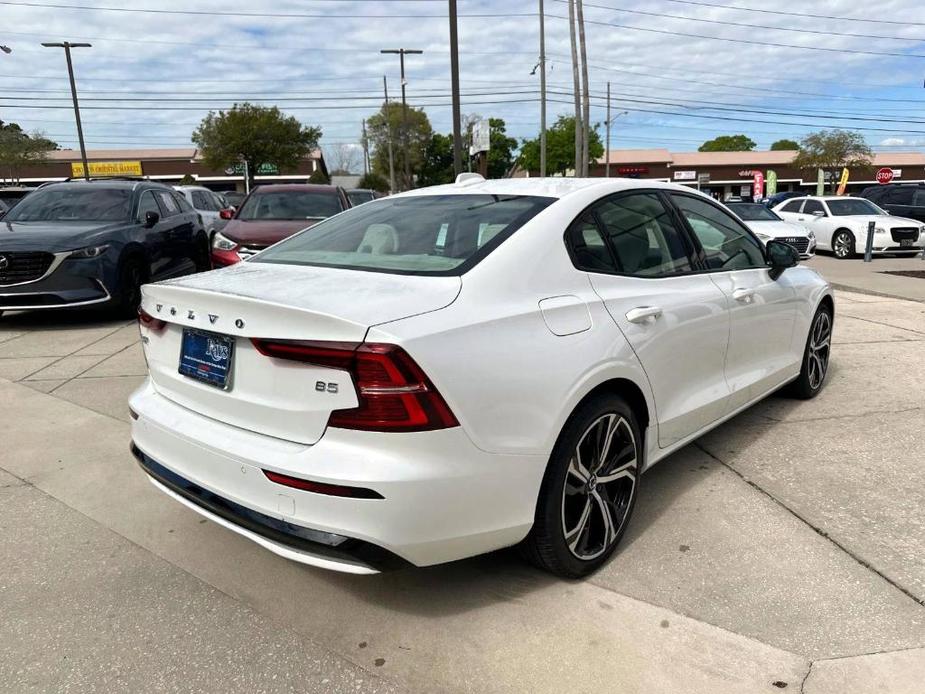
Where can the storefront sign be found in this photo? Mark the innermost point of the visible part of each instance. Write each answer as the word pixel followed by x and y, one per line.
pixel 747 173
pixel 262 170
pixel 107 168
pixel 632 170
pixel 685 175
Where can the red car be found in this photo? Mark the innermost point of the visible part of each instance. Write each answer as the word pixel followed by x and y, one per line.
pixel 273 213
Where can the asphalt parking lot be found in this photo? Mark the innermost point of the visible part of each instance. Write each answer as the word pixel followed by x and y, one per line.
pixel 785 551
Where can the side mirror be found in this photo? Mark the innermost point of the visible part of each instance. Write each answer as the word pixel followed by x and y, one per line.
pixel 780 257
pixel 226 214
pixel 151 218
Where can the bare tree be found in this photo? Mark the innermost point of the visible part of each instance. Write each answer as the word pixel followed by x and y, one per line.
pixel 345 158
pixel 579 128
pixel 586 97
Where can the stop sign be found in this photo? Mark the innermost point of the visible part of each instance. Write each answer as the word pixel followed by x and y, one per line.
pixel 884 176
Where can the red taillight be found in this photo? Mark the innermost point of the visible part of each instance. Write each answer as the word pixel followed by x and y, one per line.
pixel 149 321
pixel 394 393
pixel 322 487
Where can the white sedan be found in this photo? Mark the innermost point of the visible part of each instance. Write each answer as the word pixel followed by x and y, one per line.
pixel 767 225
pixel 841 225
pixel 462 368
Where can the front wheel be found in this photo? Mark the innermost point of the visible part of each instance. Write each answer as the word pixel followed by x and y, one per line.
pixel 815 357
pixel 128 292
pixel 589 489
pixel 843 244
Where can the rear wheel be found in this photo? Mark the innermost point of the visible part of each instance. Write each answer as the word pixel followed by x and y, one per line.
pixel 815 356
pixel 843 244
pixel 589 489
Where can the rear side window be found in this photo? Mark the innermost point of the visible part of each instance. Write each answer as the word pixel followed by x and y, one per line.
pixel 897 196
pixel 642 236
pixel 168 203
pixel 589 249
pixel 919 199
pixel 419 235
pixel 792 206
pixel 200 202
pixel 727 245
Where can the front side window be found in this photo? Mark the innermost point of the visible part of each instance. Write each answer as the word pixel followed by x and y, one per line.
pixel 814 207
pixel 897 196
pixel 146 204
pixel 727 245
pixel 792 206
pixel 850 207
pixel 289 205
pixel 642 235
pixel 419 235
pixel 200 202
pixel 169 206
pixel 80 203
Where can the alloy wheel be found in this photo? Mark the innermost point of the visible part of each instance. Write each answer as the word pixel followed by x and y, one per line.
pixel 817 352
pixel 599 486
pixel 842 245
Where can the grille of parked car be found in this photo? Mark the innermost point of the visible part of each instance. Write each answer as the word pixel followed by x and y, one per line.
pixel 903 233
pixel 19 267
pixel 801 243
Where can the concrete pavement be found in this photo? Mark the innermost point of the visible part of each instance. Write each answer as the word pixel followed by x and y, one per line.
pixel 784 546
pixel 873 277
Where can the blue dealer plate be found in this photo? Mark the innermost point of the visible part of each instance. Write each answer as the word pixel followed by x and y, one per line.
pixel 206 357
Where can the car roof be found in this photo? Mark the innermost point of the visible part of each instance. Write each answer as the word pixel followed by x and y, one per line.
pixel 543 187
pixel 119 183
pixel 295 188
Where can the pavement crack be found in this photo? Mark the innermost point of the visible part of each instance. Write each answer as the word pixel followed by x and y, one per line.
pixel 806 676
pixel 819 531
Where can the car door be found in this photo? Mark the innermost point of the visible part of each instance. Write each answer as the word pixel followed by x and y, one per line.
pixel 155 238
pixel 762 308
pixel 639 262
pixel 178 228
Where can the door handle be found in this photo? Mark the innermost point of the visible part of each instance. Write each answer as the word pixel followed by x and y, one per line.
pixel 642 314
pixel 743 295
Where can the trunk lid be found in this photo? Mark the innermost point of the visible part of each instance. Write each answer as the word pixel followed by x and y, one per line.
pixel 272 396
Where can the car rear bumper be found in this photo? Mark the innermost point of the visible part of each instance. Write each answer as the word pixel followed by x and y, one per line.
pixel 443 498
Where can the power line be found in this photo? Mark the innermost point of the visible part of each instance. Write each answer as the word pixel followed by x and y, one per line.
pixel 796 14
pixel 750 26
pixel 749 42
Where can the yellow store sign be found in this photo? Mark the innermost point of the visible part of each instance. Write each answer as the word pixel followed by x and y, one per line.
pixel 107 168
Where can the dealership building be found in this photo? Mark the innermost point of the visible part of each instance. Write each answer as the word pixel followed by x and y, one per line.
pixel 166 165
pixel 726 174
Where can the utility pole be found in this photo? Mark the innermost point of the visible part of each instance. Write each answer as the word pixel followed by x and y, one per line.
pixel 67 46
pixel 402 52
pixel 607 137
pixel 365 150
pixel 454 76
pixel 576 86
pixel 542 91
pixel 388 124
pixel 586 97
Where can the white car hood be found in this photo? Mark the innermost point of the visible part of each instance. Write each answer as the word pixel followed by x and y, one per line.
pixel 881 220
pixel 777 229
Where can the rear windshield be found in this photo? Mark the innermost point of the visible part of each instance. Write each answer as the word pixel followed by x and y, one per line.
pixel 78 204
pixel 426 235
pixel 853 206
pixel 290 204
pixel 751 212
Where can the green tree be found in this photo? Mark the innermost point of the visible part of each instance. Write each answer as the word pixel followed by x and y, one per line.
pixel 410 142
pixel 256 135
pixel 501 154
pixel 560 147
pixel 728 143
pixel 373 181
pixel 785 145
pixel 437 167
pixel 187 180
pixel 833 150
pixel 19 148
pixel 318 176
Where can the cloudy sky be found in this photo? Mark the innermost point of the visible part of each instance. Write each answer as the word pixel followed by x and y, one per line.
pixel 684 70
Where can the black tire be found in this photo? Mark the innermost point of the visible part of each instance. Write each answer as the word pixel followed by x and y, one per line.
pixel 843 244
pixel 127 295
pixel 571 536
pixel 816 355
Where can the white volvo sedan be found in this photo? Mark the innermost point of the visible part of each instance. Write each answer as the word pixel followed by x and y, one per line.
pixel 467 367
pixel 841 225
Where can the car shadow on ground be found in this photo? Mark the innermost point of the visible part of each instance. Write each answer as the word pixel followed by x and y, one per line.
pixel 504 576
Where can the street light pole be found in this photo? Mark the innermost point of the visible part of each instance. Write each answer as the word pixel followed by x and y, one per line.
pixel 542 92
pixel 454 77
pixel 404 107
pixel 67 46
